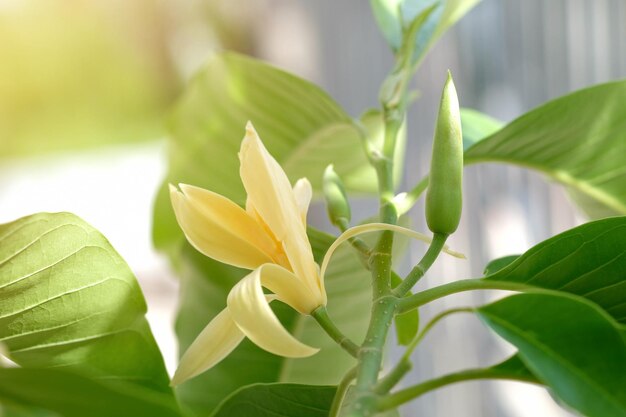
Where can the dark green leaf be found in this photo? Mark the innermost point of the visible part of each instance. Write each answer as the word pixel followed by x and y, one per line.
pixel 204 288
pixel 499 263
pixel 67 299
pixel 73 395
pixel 278 400
pixel 588 260
pixel 515 366
pixel 570 344
pixel 301 126
pixel 578 140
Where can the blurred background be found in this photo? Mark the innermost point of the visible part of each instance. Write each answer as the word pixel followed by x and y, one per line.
pixel 85 86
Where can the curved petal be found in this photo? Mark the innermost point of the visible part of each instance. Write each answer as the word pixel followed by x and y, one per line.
pixel 271 195
pixel 252 313
pixel 303 193
pixel 220 337
pixel 220 229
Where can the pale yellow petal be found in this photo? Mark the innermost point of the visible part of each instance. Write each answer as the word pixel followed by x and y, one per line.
pixel 219 228
pixel 271 195
pixel 220 337
pixel 303 193
pixel 252 313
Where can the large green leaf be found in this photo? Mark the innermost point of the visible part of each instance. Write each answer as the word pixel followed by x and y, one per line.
pixel 283 400
pixel 274 400
pixel 570 344
pixel 578 140
pixel 73 395
pixel 589 260
pixel 204 288
pixel 392 15
pixel 68 300
pixel 477 126
pixel 302 127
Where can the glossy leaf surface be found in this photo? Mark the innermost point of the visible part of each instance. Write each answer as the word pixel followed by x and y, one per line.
pixel 570 344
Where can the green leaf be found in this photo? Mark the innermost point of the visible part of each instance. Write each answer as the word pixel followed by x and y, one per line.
pixel 499 263
pixel 9 408
pixel 570 344
pixel 283 400
pixel 588 261
pixel 301 126
pixel 394 15
pixel 204 287
pixel 578 140
pixel 68 300
pixel 387 15
pixel 278 400
pixel 476 126
pixel 515 366
pixel 73 395
pixel 446 14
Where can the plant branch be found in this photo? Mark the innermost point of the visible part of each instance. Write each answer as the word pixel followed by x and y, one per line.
pixel 420 269
pixel 396 399
pixel 342 390
pixel 404 364
pixel 416 300
pixel 321 316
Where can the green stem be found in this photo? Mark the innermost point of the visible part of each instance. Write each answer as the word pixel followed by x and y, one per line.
pixel 416 300
pixel 404 364
pixel 418 338
pixel 342 390
pixel 420 269
pixel 393 377
pixel 321 316
pixel 394 400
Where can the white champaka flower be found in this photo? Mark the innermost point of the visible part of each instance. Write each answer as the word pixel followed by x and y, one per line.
pixel 268 237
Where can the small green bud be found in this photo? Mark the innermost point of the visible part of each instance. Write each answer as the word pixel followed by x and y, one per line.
pixel 336 199
pixel 444 198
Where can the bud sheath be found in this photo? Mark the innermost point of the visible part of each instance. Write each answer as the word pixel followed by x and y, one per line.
pixel 444 198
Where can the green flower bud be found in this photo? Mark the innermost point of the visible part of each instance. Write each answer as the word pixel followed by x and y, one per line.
pixel 336 199
pixel 444 197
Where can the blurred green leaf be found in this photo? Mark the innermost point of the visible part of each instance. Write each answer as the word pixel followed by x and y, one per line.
pixel 272 400
pixel 285 400
pixel 67 299
pixel 394 17
pixel 302 127
pixel 205 285
pixel 588 260
pixel 73 395
pixel 75 77
pixel 570 344
pixel 578 140
pixel 387 15
pixel 477 126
